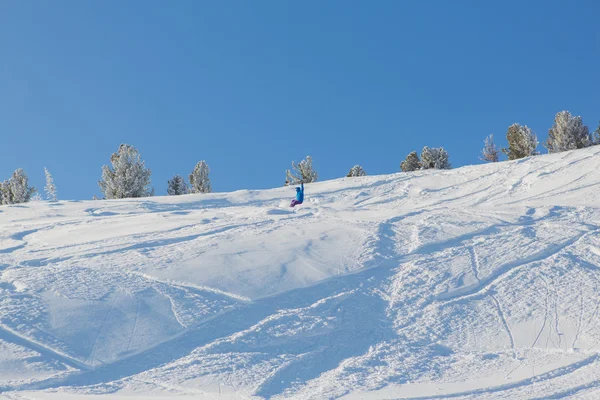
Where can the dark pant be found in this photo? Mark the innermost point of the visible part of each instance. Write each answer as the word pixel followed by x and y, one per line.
pixel 295 202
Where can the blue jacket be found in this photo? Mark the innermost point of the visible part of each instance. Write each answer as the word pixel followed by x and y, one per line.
pixel 300 193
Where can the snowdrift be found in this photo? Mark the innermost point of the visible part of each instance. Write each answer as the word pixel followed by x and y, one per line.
pixel 478 282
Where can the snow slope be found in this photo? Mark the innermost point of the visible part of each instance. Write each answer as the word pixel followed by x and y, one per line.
pixel 478 282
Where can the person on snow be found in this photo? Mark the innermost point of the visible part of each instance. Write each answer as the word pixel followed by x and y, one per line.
pixel 299 195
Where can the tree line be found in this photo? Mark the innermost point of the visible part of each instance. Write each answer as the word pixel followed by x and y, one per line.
pixel 16 189
pixel 128 177
pixel 567 133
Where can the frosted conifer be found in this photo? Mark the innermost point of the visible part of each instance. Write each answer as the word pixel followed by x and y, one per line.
pixel 301 172
pixel 4 193
pixel 411 163
pixel 50 188
pixel 177 186
pixel 128 176
pixel 357 170
pixel 597 135
pixel 567 133
pixel 16 189
pixel 199 180
pixel 490 152
pixel 36 198
pixel 434 158
pixel 522 142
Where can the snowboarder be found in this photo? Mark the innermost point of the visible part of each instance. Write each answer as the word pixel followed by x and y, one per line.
pixel 299 195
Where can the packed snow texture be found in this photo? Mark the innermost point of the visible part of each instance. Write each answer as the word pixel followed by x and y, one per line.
pixel 479 282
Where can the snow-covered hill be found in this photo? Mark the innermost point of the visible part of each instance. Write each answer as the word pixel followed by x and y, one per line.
pixel 478 282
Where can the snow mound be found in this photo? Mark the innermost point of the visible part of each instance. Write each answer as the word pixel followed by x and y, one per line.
pixel 478 282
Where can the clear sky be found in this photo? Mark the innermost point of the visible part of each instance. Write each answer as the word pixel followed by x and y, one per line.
pixel 250 86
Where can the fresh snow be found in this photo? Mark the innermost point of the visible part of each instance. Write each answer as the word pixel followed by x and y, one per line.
pixel 479 282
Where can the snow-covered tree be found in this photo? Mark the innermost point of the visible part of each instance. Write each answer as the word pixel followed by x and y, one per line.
pixel 199 180
pixel 597 135
pixel 177 186
pixel 434 158
pixel 50 187
pixel 490 152
pixel 411 163
pixel 357 170
pixel 522 142
pixel 128 176
pixel 19 187
pixel 301 172
pixel 16 189
pixel 94 197
pixel 567 133
pixel 4 193
pixel 36 198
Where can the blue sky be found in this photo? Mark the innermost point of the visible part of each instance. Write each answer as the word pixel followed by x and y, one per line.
pixel 250 86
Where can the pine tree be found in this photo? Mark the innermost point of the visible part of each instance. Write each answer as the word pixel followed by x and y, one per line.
pixel 19 186
pixel 411 163
pixel 4 193
pixel 128 176
pixel 357 170
pixel 36 198
pixel 16 189
pixel 301 172
pixel 199 180
pixel 522 142
pixel 434 158
pixel 567 133
pixel 597 135
pixel 177 186
pixel 94 197
pixel 490 152
pixel 50 188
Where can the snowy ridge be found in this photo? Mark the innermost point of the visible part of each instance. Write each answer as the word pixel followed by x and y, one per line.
pixel 478 282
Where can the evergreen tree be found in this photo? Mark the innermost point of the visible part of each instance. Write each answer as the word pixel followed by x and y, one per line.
pixel 177 186
pixel 50 188
pixel 36 198
pixel 411 163
pixel 597 135
pixel 199 180
pixel 16 189
pixel 522 142
pixel 94 197
pixel 490 152
pixel 128 176
pixel 567 133
pixel 301 172
pixel 357 170
pixel 434 158
pixel 4 193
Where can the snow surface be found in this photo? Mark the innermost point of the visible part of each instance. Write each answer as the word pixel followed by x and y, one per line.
pixel 479 282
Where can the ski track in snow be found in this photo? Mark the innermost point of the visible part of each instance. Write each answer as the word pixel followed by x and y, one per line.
pixel 474 263
pixel 478 282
